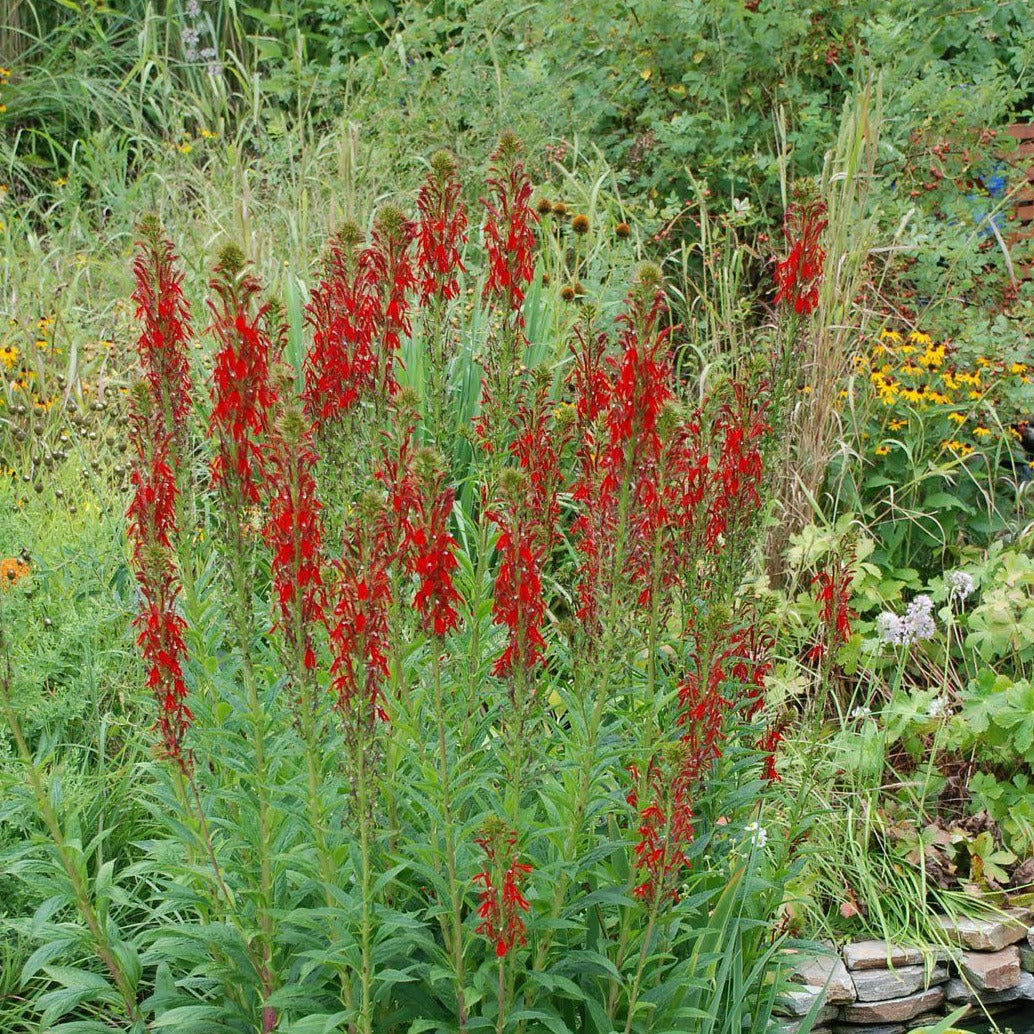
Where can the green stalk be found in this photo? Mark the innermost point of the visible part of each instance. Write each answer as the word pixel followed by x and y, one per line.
pixel 500 1021
pixel 366 927
pixel 655 905
pixel 453 938
pixel 243 626
pixel 328 872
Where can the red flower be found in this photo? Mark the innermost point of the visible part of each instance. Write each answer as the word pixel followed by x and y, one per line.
pixel 740 430
pixel 160 638
pixel 359 634
pixel 388 276
pixel 243 393
pixel 293 534
pixel 518 603
pixel 159 415
pixel 165 331
pixel 431 550
pixel 641 386
pixel 665 826
pixel 833 596
pixel 441 231
pixel 799 274
pixel 340 368
pixel 501 899
pixel 593 528
pixel 536 445
pixel 152 510
pixel 152 525
pixel 509 229
pixel 723 681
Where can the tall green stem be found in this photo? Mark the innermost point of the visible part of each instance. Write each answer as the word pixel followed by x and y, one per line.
pixel 454 939
pixel 366 888
pixel 243 626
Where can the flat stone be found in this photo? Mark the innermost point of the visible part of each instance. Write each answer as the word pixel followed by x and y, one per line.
pixel 879 954
pixel 826 971
pixel 1027 959
pixel 985 934
pixel 823 1016
pixel 1030 937
pixel 897 1010
pixel 992 970
pixel 877 985
pixel 958 993
pixel 879 1028
pixel 797 1002
pixel 926 1019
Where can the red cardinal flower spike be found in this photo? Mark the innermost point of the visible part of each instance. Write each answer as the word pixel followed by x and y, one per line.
pixel 441 231
pixel 431 549
pixel 294 536
pixel 243 394
pixel 799 274
pixel 501 897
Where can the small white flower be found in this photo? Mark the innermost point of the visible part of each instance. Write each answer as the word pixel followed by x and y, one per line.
pixel 888 625
pixel 918 620
pixel 861 712
pixel 915 625
pixel 758 835
pixel 960 584
pixel 938 708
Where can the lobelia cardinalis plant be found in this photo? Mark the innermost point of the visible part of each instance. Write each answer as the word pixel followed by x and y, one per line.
pixel 456 752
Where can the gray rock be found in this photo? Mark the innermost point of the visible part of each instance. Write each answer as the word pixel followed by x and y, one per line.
pixel 897 1010
pixel 879 954
pixel 1030 937
pixel 823 1016
pixel 797 1002
pixel 879 1028
pixel 992 970
pixel 877 985
pixel 826 971
pixel 959 993
pixel 985 934
pixel 1027 959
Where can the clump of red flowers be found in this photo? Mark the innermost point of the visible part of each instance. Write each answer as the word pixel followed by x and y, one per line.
pixel 799 274
pixel 641 387
pixel 725 677
pixel 359 629
pixel 159 412
pixel 593 527
pixel 740 429
pixel 164 316
pixel 518 603
pixel 441 231
pixel 501 898
pixel 538 440
pixel 665 824
pixel 294 536
pixel 387 269
pixel 431 551
pixel 243 393
pixel 509 228
pixel 160 628
pixel 340 368
pixel 833 595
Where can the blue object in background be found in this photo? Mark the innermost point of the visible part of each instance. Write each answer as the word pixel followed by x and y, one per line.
pixel 994 182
